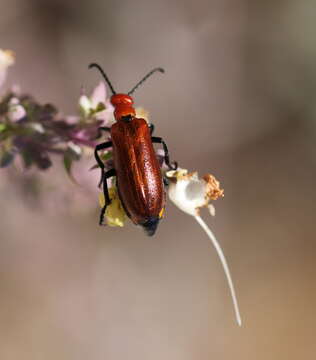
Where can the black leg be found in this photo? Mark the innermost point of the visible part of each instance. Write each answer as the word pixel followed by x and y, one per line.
pixel 107 200
pixel 98 159
pixel 101 129
pixel 105 128
pixel 158 140
pixel 151 128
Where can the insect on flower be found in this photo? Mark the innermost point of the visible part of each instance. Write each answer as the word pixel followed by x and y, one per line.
pixel 139 181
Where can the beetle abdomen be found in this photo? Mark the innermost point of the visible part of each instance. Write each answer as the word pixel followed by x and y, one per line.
pixel 138 172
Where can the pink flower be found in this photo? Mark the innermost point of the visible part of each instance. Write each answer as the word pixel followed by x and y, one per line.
pixel 97 106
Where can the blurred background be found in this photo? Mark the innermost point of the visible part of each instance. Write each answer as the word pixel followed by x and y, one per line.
pixel 238 101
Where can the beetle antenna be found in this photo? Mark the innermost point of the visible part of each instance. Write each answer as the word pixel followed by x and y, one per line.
pixel 145 78
pixel 104 75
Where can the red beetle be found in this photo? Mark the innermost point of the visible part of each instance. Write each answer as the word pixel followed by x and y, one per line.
pixel 138 175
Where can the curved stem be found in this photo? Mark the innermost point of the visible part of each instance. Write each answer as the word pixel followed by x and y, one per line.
pixel 224 264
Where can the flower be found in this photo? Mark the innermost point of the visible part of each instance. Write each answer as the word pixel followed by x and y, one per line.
pixel 114 213
pixel 97 105
pixel 142 113
pixel 16 111
pixel 6 60
pixel 190 193
pixel 37 131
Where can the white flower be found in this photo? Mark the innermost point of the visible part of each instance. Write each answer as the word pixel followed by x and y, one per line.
pixel 85 104
pixel 6 60
pixel 37 127
pixel 190 193
pixel 16 111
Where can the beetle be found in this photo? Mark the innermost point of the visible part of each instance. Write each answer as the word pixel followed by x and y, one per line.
pixel 138 174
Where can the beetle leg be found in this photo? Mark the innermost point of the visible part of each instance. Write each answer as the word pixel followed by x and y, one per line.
pixel 100 129
pixel 107 200
pixel 151 128
pixel 98 159
pixel 103 128
pixel 158 140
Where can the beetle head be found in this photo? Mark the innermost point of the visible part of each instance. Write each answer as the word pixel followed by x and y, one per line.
pixel 121 99
pixel 123 105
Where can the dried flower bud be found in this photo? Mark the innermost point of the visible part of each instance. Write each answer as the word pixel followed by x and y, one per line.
pixel 190 193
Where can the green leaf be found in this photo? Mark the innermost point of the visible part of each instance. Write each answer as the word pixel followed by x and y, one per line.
pixel 100 107
pixel 6 159
pixel 50 109
pixel 73 153
pixel 106 156
pixel 2 127
pixel 27 159
pixel 68 160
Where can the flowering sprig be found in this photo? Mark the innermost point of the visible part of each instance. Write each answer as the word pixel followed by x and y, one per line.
pixel 35 131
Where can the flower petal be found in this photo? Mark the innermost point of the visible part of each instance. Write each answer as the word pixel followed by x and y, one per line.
pixel 114 214
pixel 16 111
pixel 6 59
pixel 98 95
pixel 85 104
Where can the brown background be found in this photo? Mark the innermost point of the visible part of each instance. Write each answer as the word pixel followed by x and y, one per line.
pixel 237 100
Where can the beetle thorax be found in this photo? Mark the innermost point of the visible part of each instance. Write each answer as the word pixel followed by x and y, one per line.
pixel 123 106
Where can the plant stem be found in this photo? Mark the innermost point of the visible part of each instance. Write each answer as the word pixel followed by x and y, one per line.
pixel 224 264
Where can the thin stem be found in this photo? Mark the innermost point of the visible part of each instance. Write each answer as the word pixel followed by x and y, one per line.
pixel 224 264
